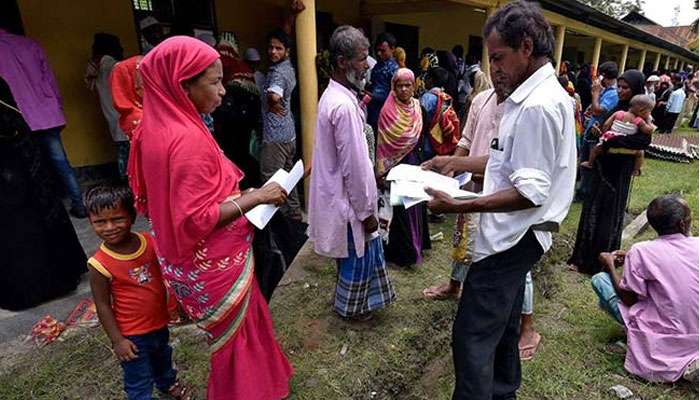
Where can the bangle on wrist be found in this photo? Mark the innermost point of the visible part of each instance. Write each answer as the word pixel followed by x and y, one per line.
pixel 235 203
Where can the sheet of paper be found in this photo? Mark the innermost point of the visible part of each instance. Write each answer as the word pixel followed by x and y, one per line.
pixel 263 213
pixel 409 202
pixel 463 178
pixel 463 194
pixel 394 198
pixel 294 176
pixel 414 190
pixel 414 173
pixel 460 194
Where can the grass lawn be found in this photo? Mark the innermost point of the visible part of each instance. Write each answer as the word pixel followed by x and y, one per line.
pixel 404 353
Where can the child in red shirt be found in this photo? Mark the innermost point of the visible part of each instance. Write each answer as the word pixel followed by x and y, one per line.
pixel 130 296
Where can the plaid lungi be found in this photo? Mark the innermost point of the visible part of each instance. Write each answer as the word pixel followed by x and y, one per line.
pixel 363 283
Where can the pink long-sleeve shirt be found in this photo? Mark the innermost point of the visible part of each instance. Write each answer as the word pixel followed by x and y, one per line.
pixel 23 65
pixel 662 326
pixel 343 190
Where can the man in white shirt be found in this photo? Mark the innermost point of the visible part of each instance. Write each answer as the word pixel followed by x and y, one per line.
pixel 650 87
pixel 674 105
pixel 530 174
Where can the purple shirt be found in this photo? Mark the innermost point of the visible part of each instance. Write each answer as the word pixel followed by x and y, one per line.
pixel 343 190
pixel 24 67
pixel 662 327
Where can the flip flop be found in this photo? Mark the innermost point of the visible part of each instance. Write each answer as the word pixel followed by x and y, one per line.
pixel 527 353
pixel 179 391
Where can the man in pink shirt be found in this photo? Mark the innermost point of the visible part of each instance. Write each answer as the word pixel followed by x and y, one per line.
pixel 656 298
pixel 23 65
pixel 481 127
pixel 343 191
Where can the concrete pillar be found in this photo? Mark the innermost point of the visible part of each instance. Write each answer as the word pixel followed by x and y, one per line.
pixel 485 65
pixel 559 45
pixel 675 64
pixel 596 56
pixel 642 60
pixel 668 61
pixel 308 82
pixel 623 58
pixel 657 61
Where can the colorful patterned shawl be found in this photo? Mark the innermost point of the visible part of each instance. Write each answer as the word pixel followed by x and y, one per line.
pixel 399 126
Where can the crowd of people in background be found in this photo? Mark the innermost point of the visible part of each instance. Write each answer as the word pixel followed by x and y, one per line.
pixel 199 127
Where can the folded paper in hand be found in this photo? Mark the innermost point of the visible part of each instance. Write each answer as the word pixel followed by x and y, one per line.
pixel 409 181
pixel 261 214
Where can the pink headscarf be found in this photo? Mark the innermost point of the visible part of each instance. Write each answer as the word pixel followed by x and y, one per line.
pixel 176 170
pixel 399 126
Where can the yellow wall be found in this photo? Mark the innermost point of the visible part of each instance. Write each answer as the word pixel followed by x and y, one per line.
pixel 65 30
pixel 252 20
pixel 440 30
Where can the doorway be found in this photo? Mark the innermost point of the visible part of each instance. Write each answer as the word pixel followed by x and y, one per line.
pixel 10 17
pixel 407 38
pixel 476 47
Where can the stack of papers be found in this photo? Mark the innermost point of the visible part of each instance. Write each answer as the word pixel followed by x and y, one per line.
pixel 408 183
pixel 263 213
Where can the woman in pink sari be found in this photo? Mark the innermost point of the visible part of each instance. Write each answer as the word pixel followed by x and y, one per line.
pixel 190 191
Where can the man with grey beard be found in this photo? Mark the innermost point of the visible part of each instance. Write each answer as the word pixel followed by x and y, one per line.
pixel 343 192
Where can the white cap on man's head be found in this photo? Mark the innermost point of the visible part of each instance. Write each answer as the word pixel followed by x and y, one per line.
pixel 653 78
pixel 207 38
pixel 148 22
pixel 251 54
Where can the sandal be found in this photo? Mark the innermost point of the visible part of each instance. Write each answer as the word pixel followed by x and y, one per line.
pixel 179 391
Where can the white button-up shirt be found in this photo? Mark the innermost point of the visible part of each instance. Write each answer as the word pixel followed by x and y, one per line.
pixel 536 155
pixel 675 102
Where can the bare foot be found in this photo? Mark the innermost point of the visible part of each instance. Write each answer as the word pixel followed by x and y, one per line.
pixel 528 344
pixel 586 164
pixel 573 267
pixel 442 292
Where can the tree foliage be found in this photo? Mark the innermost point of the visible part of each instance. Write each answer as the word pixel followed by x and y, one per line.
pixel 616 8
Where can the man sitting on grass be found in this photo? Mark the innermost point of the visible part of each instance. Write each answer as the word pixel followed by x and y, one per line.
pixel 656 298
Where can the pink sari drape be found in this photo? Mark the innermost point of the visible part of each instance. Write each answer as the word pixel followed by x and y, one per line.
pixel 180 177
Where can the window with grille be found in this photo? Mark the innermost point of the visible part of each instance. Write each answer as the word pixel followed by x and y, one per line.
pixel 143 5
